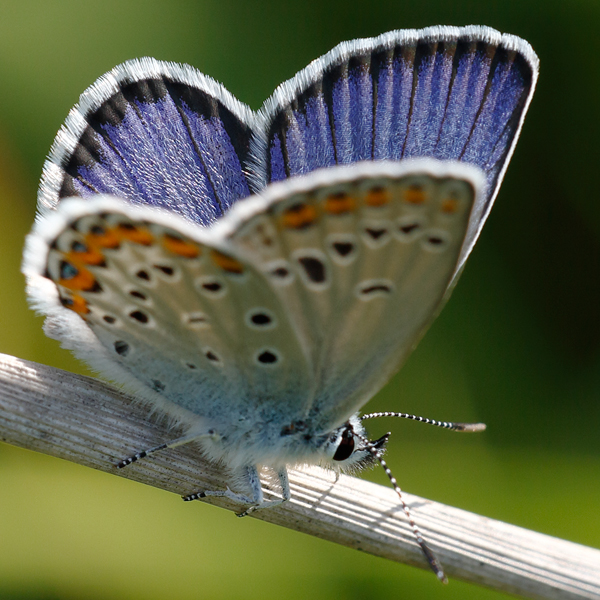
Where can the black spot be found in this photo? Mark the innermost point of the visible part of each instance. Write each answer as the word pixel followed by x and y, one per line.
pixel 372 289
pixel 96 287
pixel 138 315
pixel 165 269
pixel 109 319
pixel 158 385
pixel 67 270
pixel 435 240
pixel 143 275
pixel 280 272
pixel 375 233
pixel 212 356
pixel 122 348
pixel 191 366
pixel 267 357
pixel 212 286
pixel 67 302
pixel 78 246
pixel 409 227
pixel 137 294
pixel 97 230
pixel 261 319
pixel 197 318
pixel 313 267
pixel 343 248
pixel 127 226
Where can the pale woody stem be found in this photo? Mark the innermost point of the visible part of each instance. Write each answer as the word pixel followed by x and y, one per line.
pixel 91 423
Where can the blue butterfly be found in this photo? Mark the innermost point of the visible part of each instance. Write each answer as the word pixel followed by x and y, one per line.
pixel 260 276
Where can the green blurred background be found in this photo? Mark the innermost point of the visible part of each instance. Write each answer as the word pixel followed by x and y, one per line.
pixel 518 345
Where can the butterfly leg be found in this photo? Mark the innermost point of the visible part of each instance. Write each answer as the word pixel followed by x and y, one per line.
pixel 251 479
pixel 286 494
pixel 190 437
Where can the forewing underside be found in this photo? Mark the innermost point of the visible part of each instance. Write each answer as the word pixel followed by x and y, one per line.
pixel 190 322
pixel 153 133
pixel 362 267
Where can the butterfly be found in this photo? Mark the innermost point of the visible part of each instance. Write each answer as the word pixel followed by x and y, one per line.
pixel 258 277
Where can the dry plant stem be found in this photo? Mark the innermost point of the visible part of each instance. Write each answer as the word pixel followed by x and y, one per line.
pixel 91 423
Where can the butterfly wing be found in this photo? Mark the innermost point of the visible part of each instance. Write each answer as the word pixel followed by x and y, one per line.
pixel 160 305
pixel 154 133
pixel 298 305
pixel 361 256
pixel 443 92
pixel 340 271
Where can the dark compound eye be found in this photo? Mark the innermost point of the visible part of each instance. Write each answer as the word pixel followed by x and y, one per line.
pixel 346 446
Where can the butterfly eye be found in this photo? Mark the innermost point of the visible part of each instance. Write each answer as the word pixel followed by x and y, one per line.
pixel 346 446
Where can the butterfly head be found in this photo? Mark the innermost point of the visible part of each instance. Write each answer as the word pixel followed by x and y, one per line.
pixel 347 448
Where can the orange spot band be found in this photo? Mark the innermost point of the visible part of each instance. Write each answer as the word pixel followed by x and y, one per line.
pixel 180 247
pixel 227 263
pixel 299 216
pixel 450 206
pixel 82 281
pixel 79 305
pixel 103 238
pixel 338 204
pixel 378 196
pixel 414 195
pixel 132 233
pixel 91 256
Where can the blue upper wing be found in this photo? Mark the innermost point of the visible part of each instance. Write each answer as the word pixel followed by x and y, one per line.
pixel 165 135
pixel 443 92
pixel 154 133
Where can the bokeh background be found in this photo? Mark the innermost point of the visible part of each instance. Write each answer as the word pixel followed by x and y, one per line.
pixel 518 345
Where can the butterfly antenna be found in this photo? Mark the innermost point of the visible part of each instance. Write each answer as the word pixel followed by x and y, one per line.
pixel 471 427
pixel 432 559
